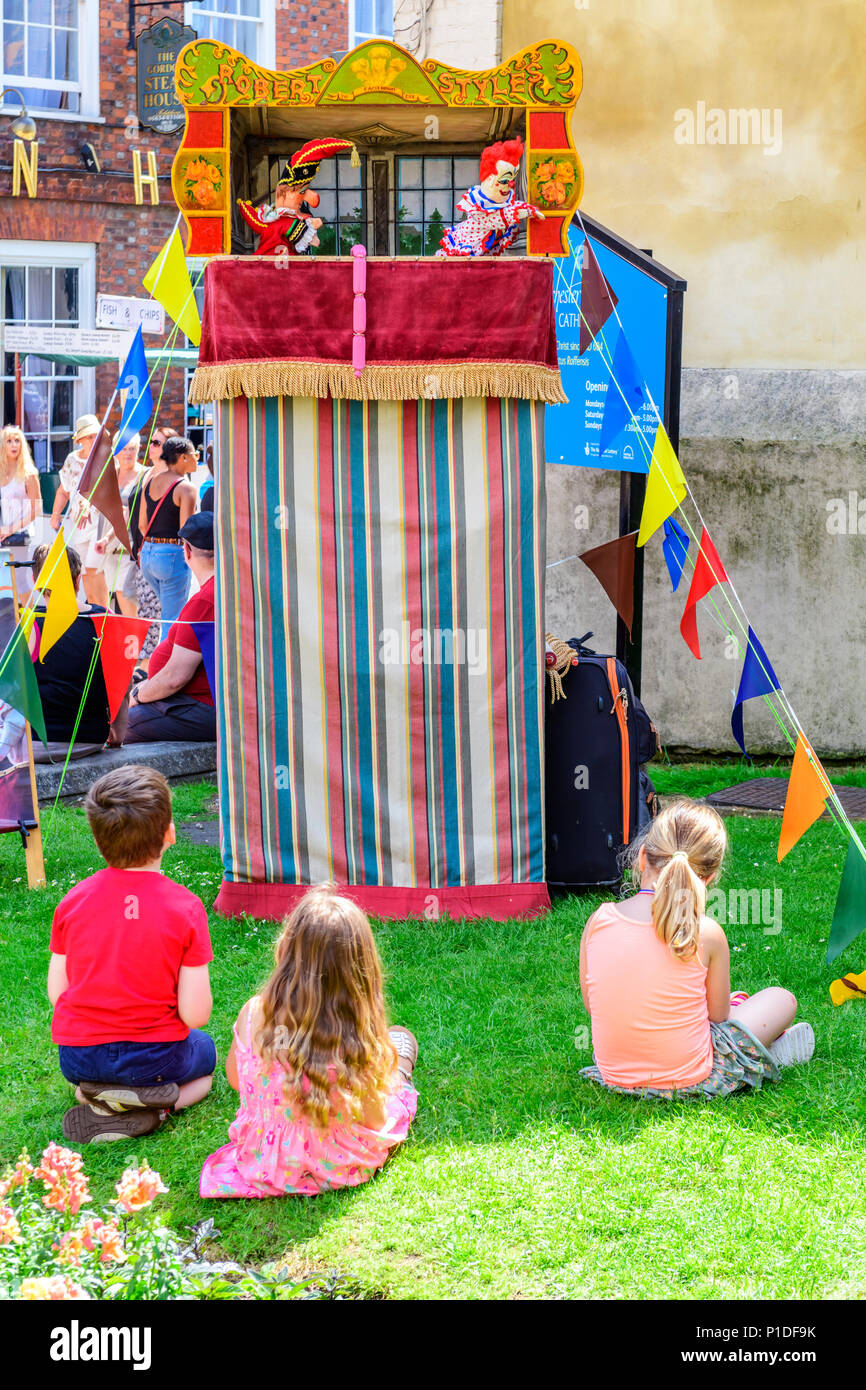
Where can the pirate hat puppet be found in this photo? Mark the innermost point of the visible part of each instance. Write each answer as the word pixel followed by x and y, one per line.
pixel 303 166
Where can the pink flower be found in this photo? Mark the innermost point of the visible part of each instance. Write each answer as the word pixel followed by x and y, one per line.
pixel 66 1193
pixel 9 1229
pixel 58 1162
pixel 54 1289
pixel 138 1187
pixel 105 1235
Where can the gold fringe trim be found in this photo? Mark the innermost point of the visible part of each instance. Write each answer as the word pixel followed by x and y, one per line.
pixel 223 381
pixel 564 661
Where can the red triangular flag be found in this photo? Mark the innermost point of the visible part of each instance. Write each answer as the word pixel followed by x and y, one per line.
pixel 99 485
pixel 122 641
pixel 613 566
pixel 709 571
pixel 597 299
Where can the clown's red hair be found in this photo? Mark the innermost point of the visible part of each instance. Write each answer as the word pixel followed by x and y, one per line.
pixel 509 150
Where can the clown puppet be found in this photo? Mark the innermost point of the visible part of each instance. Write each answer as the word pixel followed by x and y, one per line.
pixel 492 212
pixel 288 227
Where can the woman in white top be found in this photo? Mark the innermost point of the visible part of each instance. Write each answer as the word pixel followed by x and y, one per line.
pixel 20 494
pixel 80 528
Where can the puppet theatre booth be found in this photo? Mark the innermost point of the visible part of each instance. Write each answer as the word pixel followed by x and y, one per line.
pixel 380 508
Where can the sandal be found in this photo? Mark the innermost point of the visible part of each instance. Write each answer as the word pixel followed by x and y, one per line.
pixel 83 1126
pixel 406 1047
pixel 115 1098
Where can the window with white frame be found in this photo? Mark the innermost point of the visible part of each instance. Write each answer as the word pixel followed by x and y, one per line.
pixel 51 55
pixel 370 19
pixel 247 25
pixel 47 285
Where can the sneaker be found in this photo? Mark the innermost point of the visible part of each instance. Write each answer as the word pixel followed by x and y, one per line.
pixel 796 1044
pixel 406 1045
pixel 113 1098
pixel 82 1125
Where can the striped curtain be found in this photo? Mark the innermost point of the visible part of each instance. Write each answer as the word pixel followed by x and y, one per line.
pixel 380 653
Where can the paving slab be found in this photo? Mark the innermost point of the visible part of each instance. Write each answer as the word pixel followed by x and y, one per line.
pixel 178 762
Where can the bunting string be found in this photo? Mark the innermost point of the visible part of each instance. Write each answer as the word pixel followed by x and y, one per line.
pixel 785 708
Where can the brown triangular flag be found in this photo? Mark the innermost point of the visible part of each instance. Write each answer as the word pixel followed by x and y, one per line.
pixel 597 299
pixel 613 566
pixel 99 485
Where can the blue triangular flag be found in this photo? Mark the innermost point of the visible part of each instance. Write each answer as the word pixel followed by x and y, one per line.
pixel 758 678
pixel 139 402
pixel 204 635
pixel 625 382
pixel 674 547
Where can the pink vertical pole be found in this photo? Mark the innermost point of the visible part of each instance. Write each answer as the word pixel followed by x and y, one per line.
pixel 359 313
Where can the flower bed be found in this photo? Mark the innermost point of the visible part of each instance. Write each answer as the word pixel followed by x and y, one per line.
pixel 56 1245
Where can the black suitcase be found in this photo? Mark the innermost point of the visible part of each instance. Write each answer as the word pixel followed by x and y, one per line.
pixel 596 795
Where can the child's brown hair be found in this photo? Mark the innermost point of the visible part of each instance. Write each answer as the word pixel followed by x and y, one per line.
pixel 129 812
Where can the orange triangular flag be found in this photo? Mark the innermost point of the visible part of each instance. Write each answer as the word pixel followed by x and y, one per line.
pixel 806 799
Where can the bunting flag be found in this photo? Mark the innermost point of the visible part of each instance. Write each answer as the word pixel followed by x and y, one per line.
pixel 139 402
pixel 204 635
pixel 18 686
pixel 98 483
pixel 613 566
pixel 55 578
pixel 665 487
pixel 169 283
pixel 806 799
pixel 674 548
pixel 119 650
pixel 849 916
pixel 625 394
pixel 850 986
pixel 597 299
pixel 708 572
pixel 758 678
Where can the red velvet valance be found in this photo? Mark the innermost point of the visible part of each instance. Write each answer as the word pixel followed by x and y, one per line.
pixel 283 327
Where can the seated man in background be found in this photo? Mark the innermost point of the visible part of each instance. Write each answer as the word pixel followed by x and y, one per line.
pixel 175 702
pixel 63 676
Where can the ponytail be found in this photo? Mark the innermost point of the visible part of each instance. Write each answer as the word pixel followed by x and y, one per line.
pixel 685 845
pixel 678 905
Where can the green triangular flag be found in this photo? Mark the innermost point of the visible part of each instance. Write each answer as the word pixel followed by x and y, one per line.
pixel 18 686
pixel 849 918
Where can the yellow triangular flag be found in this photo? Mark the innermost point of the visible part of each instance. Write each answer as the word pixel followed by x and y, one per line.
pixel 169 283
pixel 62 609
pixel 665 488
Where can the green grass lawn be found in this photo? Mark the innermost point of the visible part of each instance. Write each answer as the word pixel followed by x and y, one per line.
pixel 519 1179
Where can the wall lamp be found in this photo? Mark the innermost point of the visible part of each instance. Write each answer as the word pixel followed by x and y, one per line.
pixel 24 126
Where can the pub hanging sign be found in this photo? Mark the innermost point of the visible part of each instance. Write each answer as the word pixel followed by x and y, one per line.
pixel 157 50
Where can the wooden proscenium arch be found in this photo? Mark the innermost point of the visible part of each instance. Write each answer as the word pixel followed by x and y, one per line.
pixel 375 93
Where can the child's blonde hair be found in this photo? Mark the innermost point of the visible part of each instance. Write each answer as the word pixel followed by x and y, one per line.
pixel 685 845
pixel 323 1007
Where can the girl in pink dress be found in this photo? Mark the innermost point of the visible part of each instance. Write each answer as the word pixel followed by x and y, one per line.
pixel 325 1088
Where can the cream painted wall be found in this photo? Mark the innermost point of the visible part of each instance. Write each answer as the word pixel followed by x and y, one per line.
pixel 773 245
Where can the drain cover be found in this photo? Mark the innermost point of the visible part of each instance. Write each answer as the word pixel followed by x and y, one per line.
pixel 768 794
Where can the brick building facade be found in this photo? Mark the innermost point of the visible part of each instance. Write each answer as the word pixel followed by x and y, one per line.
pixel 83 232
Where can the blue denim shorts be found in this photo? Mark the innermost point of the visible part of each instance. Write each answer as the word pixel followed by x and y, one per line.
pixel 140 1063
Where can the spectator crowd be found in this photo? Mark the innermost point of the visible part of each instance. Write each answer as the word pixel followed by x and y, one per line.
pixel 167 576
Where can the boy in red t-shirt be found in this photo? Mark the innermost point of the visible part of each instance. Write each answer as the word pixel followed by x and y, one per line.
pixel 128 975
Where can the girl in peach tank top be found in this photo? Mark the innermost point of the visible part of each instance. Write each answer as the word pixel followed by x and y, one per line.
pixel 654 976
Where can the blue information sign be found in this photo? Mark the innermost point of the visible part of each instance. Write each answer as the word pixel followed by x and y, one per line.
pixel 572 431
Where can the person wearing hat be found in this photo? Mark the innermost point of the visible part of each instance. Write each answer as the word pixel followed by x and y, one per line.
pixel 175 702
pixel 286 228
pixel 81 529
